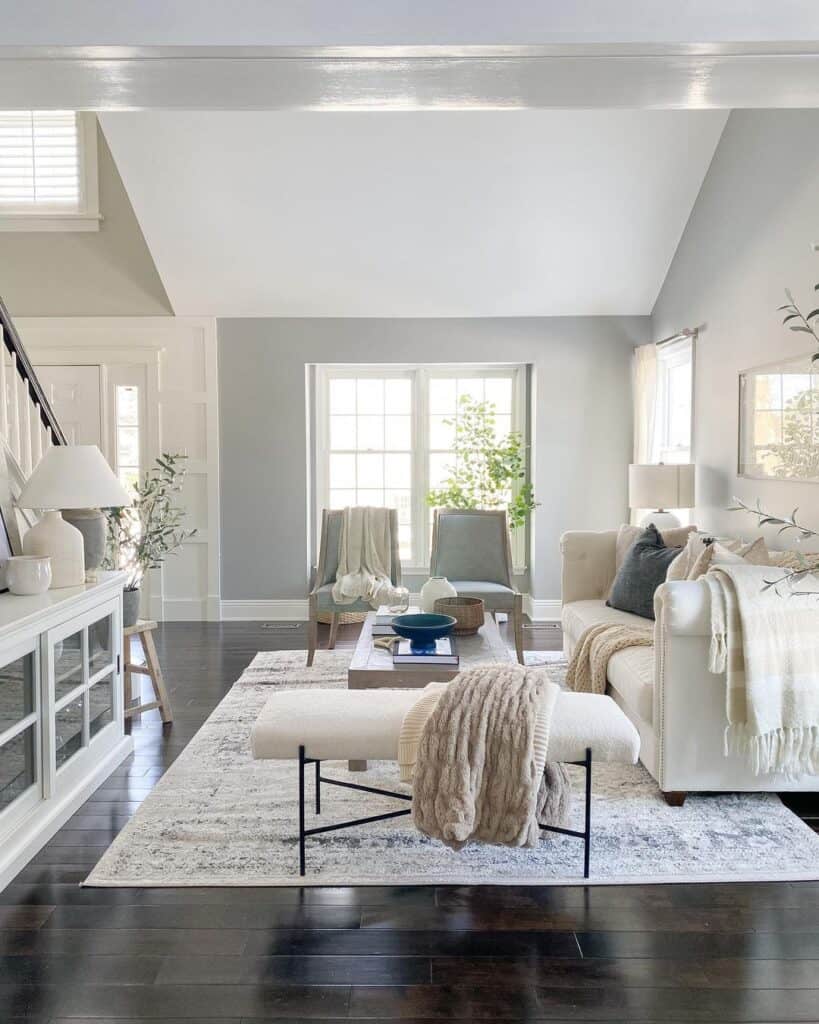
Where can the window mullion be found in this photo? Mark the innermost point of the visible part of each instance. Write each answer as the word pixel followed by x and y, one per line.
pixel 420 466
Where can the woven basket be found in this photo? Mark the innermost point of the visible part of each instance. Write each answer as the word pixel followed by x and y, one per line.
pixel 467 612
pixel 344 618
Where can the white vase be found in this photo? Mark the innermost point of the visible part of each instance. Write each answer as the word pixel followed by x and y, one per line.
pixel 435 587
pixel 52 536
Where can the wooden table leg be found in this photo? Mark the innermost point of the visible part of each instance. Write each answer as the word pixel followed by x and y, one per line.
pixel 161 691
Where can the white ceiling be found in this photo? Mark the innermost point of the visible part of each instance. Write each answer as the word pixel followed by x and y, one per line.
pixel 395 22
pixel 514 213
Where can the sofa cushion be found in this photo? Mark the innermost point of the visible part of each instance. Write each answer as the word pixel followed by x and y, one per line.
pixel 631 674
pixel 643 570
pixel 579 615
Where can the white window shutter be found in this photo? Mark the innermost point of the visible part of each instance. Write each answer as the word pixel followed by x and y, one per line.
pixel 39 160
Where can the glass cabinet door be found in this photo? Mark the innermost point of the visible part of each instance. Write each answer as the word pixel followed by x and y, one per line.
pixel 85 670
pixel 19 728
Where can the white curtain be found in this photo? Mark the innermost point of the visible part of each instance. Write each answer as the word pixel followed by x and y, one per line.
pixel 644 373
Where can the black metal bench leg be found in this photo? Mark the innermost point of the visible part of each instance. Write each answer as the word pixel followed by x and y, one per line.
pixel 318 787
pixel 587 829
pixel 301 811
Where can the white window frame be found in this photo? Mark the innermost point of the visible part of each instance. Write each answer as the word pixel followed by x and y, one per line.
pixel 420 376
pixel 670 357
pixel 86 215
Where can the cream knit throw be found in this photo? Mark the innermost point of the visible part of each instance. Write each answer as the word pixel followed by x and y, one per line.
pixel 478 775
pixel 768 647
pixel 590 661
pixel 365 557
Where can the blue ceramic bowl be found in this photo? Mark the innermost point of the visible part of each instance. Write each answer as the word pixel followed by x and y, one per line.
pixel 423 630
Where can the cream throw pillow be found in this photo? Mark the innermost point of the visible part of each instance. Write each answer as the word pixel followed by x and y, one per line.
pixel 728 553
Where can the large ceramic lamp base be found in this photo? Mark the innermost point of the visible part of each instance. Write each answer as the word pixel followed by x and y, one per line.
pixel 662 520
pixel 63 543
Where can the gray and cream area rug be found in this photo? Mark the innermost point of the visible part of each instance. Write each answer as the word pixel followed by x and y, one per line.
pixel 217 817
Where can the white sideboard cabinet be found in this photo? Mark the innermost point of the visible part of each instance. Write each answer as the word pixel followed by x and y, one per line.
pixel 61 709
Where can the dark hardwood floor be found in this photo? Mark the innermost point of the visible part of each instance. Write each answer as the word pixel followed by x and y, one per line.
pixel 224 956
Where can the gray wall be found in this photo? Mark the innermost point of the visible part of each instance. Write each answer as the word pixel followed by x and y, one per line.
pixel 108 272
pixel 582 428
pixel 748 238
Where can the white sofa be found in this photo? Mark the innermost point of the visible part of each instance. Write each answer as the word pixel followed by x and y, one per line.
pixel 676 704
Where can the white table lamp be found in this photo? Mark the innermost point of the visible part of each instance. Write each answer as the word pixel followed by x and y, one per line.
pixel 661 487
pixel 68 477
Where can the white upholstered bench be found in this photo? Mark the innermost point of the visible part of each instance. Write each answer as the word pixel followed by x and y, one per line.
pixel 315 725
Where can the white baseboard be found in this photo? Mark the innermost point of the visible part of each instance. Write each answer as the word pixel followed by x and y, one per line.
pixel 284 610
pixel 186 609
pixel 295 610
pixel 542 610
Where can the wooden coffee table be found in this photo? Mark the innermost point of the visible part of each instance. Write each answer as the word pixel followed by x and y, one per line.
pixel 372 667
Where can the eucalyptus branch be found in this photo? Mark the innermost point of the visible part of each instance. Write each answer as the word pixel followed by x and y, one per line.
pixel 764 518
pixel 796 320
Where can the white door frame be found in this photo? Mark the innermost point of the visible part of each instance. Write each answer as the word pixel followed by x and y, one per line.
pixel 111 341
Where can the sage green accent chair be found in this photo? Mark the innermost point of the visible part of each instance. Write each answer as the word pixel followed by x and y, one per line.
pixel 473 549
pixel 324 576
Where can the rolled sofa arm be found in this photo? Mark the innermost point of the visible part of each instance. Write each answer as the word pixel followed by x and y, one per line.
pixel 588 564
pixel 683 608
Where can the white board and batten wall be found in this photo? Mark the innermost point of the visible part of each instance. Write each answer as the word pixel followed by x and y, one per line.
pixel 175 361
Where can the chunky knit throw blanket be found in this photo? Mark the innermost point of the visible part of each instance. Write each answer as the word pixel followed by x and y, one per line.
pixel 767 645
pixel 477 775
pixel 590 661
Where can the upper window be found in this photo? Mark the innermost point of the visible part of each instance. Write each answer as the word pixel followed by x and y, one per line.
pixel 48 171
pixel 385 436
pixel 672 442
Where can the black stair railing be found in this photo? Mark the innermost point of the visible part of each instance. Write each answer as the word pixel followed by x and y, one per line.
pixel 11 339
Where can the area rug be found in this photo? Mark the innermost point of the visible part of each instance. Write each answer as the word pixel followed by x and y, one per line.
pixel 219 818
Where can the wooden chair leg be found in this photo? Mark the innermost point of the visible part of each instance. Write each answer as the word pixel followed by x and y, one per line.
pixel 157 680
pixel 312 634
pixel 674 798
pixel 127 681
pixel 331 643
pixel 518 626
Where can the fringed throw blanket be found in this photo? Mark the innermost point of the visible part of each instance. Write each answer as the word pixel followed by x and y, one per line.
pixel 590 661
pixel 480 772
pixel 768 647
pixel 365 557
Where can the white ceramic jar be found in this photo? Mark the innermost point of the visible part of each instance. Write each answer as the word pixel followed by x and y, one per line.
pixel 28 574
pixel 434 588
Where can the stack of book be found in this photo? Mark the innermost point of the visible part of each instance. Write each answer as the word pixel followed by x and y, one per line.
pixel 444 654
pixel 383 620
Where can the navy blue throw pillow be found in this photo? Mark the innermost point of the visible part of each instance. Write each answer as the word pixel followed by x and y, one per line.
pixel 644 568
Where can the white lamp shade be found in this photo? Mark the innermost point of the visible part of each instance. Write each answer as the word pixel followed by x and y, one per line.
pixel 661 486
pixel 73 476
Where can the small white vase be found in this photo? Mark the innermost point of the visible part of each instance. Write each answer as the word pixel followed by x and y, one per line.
pixel 435 587
pixel 27 575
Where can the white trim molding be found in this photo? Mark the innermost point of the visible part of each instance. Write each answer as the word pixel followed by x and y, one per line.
pixel 542 610
pixel 292 609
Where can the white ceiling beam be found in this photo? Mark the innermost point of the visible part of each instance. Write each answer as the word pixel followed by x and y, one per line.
pixel 587 77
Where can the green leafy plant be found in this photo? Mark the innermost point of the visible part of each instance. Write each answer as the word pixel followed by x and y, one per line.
pixel 486 469
pixel 143 534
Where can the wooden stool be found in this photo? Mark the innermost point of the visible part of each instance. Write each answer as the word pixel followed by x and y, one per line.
pixel 151 668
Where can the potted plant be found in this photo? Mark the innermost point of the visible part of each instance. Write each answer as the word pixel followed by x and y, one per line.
pixel 141 535
pixel 486 468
